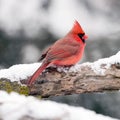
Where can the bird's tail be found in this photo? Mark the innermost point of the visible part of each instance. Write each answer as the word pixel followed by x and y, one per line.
pixel 37 73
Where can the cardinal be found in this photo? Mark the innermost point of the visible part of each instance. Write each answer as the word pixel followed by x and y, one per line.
pixel 64 52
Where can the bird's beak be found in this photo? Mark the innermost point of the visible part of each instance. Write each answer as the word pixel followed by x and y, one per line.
pixel 85 37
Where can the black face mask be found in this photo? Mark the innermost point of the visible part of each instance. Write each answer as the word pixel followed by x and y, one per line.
pixel 81 36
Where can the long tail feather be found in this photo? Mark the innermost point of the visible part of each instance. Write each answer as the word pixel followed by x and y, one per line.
pixel 37 73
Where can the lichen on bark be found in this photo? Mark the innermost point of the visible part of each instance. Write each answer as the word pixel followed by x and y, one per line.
pixel 9 86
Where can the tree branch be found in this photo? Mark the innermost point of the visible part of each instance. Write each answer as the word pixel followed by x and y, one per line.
pixel 83 81
pixel 99 76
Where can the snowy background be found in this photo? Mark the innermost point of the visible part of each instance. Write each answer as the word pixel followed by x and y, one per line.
pixel 27 27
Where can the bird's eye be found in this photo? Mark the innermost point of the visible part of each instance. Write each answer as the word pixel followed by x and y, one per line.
pixel 80 35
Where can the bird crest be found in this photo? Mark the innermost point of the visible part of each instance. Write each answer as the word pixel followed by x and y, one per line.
pixel 77 28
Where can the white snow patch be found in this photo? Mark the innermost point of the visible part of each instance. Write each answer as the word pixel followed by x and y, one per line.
pixel 14 106
pixel 18 72
pixel 63 69
pixel 107 62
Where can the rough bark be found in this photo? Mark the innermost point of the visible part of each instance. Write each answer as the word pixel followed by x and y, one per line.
pixel 83 81
pixel 54 83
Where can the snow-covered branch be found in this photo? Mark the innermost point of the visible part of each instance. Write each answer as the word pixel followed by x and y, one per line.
pixel 19 107
pixel 101 75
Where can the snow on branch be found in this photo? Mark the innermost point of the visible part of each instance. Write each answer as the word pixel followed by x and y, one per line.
pixel 19 107
pixel 98 76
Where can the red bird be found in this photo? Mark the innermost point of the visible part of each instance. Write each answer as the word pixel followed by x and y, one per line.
pixel 64 52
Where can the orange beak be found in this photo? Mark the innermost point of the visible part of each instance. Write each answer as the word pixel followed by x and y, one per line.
pixel 85 37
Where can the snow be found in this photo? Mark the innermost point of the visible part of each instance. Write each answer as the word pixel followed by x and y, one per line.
pixel 23 71
pixel 18 106
pixel 18 72
pixel 106 62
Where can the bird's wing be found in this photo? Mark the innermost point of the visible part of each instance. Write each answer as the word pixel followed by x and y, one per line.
pixel 63 51
pixel 44 53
